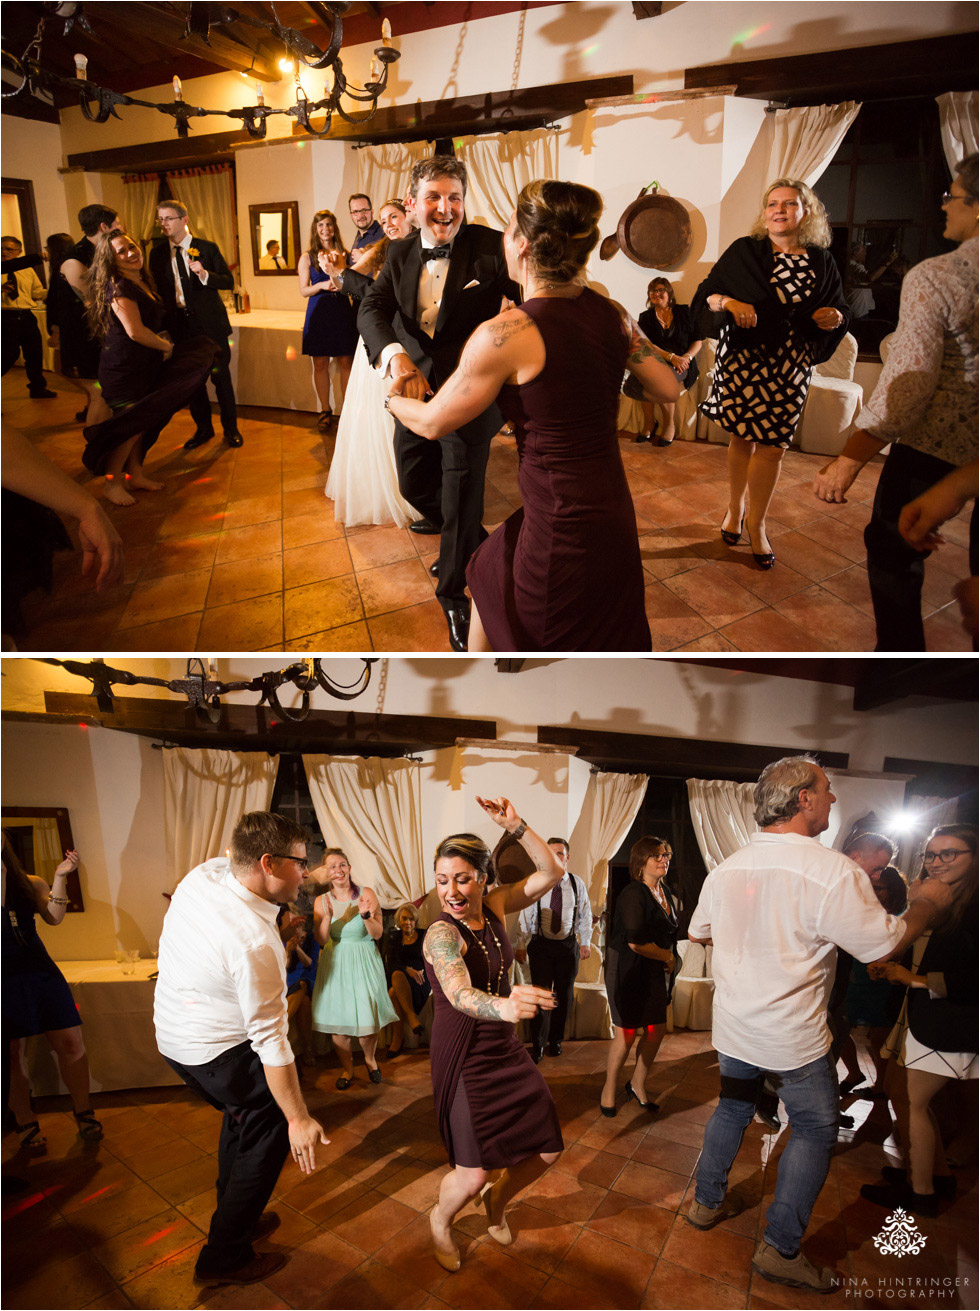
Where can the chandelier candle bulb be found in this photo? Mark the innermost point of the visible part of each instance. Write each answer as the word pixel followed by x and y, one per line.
pixel 81 66
pixel 178 89
pixel 386 32
pixel 259 94
pixel 375 70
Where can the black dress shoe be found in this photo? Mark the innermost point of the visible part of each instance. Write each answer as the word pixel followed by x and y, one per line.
pixel 234 439
pixel 536 1054
pixel 425 527
pixel 893 1195
pixel 199 439
pixel 43 394
pixel 434 568
pixel 554 1048
pixel 255 1271
pixel 458 620
pixel 81 416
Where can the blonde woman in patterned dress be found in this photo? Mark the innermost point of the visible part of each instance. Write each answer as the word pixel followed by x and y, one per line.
pixel 778 308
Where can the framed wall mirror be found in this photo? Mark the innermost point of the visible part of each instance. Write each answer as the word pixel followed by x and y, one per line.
pixel 40 836
pixel 276 241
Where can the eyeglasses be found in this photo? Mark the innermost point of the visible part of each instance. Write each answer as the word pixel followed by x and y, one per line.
pixel 947 855
pixel 359 211
pixel 952 195
pixel 664 858
pixel 301 861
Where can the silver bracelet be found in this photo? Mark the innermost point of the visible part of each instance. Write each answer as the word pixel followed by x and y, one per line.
pixel 520 830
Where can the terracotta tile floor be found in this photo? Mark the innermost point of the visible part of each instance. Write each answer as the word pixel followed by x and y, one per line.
pixel 241 552
pixel 120 1224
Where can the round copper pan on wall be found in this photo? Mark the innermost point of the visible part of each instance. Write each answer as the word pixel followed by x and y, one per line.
pixel 655 232
pixel 511 861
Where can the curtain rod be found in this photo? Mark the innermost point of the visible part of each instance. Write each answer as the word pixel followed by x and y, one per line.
pixel 284 751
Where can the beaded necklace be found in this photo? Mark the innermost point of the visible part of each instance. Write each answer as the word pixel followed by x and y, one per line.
pixel 500 955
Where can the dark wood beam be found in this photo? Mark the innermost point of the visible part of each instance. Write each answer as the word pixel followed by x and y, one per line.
pixel 212 148
pixel 260 728
pixel 165 25
pixel 646 10
pixel 932 778
pixel 494 111
pixel 28 106
pixel 879 72
pixel 675 757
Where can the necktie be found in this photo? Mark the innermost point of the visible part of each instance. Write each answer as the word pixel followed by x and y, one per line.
pixel 555 907
pixel 436 252
pixel 278 261
pixel 10 286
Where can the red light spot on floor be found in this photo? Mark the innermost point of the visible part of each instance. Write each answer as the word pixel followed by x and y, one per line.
pixel 160 1233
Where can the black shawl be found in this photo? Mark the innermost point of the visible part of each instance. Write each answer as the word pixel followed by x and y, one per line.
pixel 743 272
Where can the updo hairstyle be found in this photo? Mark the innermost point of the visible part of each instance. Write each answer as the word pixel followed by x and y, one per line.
pixel 468 847
pixel 560 222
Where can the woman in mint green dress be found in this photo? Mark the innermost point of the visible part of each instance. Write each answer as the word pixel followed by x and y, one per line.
pixel 350 999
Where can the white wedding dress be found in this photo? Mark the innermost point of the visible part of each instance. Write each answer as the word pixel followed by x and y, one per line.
pixel 363 481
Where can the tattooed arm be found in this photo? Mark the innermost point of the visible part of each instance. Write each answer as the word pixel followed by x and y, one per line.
pixel 657 379
pixel 501 350
pixel 442 947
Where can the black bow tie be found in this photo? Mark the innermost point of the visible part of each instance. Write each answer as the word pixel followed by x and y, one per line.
pixel 436 252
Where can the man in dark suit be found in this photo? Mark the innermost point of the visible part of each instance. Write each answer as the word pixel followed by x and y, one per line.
pixel 189 272
pixel 435 288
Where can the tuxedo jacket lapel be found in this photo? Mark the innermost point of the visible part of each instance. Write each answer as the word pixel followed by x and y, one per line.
pixel 408 281
pixel 456 278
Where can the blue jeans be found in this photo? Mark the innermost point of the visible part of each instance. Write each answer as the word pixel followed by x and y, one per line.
pixel 812 1100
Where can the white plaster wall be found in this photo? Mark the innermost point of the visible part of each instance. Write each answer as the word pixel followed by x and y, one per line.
pixel 112 783
pixel 33 151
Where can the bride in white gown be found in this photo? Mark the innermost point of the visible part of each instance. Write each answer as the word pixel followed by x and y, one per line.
pixel 363 480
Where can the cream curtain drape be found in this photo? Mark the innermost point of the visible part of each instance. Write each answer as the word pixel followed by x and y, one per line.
pixel 373 809
pixel 499 165
pixel 205 795
pixel 207 193
pixel 805 140
pixel 958 125
pixel 610 806
pixel 139 210
pixel 383 172
pixel 722 815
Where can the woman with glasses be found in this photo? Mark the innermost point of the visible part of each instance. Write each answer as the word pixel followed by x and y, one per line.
pixel 350 999
pixel 935 1039
pixel 640 964
pixel 925 404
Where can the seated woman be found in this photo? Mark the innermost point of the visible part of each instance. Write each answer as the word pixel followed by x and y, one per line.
pixel 640 964
pixel 495 1111
pixel 671 331
pixel 363 481
pixel 935 1039
pixel 36 998
pixel 563 573
pixel 329 330
pixel 145 379
pixel 302 951
pixel 410 988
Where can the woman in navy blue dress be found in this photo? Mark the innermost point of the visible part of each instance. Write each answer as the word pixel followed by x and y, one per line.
pixel 330 330
pixel 36 998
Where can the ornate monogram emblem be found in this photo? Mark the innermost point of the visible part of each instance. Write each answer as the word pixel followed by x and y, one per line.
pixel 900 1236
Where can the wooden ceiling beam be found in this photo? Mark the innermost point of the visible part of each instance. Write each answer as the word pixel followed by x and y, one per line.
pixel 208 148
pixel 166 26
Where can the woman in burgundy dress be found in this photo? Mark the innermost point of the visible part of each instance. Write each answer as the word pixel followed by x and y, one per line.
pixel 495 1111
pixel 563 573
pixel 145 379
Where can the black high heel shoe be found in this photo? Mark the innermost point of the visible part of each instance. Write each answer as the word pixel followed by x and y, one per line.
pixel 647 1106
pixel 608 1111
pixel 732 539
pixel 764 559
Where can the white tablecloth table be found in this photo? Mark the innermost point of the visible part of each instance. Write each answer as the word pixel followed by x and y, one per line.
pixel 267 363
pixel 117 1025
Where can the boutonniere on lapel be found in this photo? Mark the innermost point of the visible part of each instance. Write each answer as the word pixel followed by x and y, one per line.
pixel 193 252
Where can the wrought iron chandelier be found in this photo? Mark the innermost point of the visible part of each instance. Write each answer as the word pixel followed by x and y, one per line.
pixel 98 103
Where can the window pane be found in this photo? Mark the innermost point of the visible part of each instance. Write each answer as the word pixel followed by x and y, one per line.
pixel 888 192
pixel 832 190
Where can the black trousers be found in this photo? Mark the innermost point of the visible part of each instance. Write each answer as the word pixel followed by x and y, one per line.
pixel 444 480
pixel 895 570
pixel 22 336
pixel 188 325
pixel 252 1150
pixel 554 964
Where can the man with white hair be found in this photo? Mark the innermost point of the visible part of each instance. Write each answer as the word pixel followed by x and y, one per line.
pixel 775 913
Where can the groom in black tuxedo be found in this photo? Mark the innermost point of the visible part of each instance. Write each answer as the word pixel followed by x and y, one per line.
pixel 189 272
pixel 435 289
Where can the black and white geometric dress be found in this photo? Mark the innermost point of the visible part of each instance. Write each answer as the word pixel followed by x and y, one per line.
pixel 758 393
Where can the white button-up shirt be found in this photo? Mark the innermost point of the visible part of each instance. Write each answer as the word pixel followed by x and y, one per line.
pixel 776 911
pixel 432 284
pixel 185 266
pixel 582 927
pixel 222 971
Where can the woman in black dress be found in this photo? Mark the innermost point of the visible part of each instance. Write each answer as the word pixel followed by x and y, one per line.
pixel 144 378
pixel 640 964
pixel 777 307
pixel 36 998
pixel 672 333
pixel 495 1111
pixel 330 327
pixel 410 987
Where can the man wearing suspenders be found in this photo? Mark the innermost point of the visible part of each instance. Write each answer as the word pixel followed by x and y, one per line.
pixel 555 934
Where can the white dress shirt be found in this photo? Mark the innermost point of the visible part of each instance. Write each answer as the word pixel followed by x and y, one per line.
pixel 432 284
pixel 776 911
pixel 582 927
pixel 183 246
pixel 222 971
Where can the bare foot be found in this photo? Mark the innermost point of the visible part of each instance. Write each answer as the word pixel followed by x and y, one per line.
pixel 117 494
pixel 445 1250
pixel 144 484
